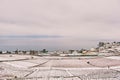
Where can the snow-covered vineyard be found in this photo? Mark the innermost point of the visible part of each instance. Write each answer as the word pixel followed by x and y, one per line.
pixel 26 67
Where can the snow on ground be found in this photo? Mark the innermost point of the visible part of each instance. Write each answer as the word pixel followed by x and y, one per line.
pixel 114 57
pixel 60 68
pixel 15 57
pixel 20 64
pixel 36 61
pixel 82 63
pixel 67 63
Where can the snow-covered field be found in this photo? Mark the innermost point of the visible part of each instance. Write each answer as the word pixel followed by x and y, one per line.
pixel 14 57
pixel 59 68
pixel 114 57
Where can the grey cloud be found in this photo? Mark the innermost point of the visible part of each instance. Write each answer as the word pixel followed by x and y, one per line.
pixel 79 20
pixel 53 12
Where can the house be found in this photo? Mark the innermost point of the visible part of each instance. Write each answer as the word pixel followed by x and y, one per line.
pixel 93 50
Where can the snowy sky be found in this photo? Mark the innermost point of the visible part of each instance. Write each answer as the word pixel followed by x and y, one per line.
pixel 58 24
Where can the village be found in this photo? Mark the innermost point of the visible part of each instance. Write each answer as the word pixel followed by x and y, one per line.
pixel 102 49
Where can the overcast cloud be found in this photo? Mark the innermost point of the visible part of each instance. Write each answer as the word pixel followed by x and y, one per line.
pixel 58 24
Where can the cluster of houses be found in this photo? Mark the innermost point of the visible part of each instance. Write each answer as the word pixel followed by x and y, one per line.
pixel 23 52
pixel 104 48
pixel 53 53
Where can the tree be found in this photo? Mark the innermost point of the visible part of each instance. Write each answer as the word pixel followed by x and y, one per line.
pixel 82 50
pixel 44 51
pixel 101 44
pixel 8 52
pixel 24 52
pixel 32 52
pixel 71 51
pixel 0 52
pixel 16 52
